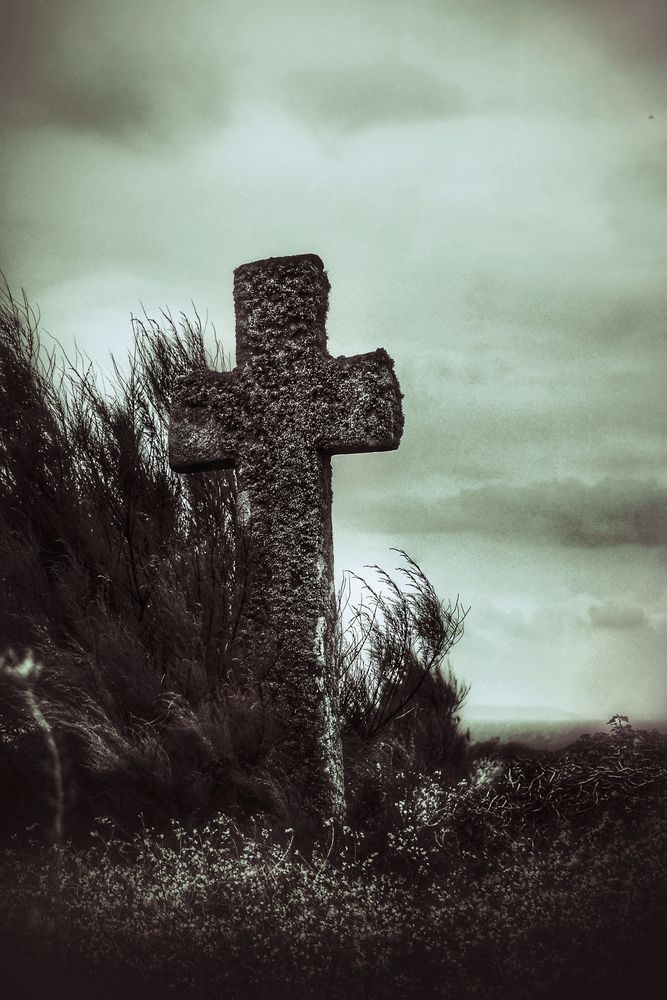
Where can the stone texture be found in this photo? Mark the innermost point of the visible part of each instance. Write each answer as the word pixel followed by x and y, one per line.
pixel 277 418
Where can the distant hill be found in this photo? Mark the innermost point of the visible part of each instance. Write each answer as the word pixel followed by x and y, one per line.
pixel 518 713
pixel 538 726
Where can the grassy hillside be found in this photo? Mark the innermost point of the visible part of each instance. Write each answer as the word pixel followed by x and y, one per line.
pixel 149 846
pixel 538 876
pixel 124 583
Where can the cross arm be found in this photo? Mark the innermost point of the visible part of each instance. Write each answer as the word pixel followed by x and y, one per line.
pixel 206 424
pixel 366 413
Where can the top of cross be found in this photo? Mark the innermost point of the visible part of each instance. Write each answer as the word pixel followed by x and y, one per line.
pixel 286 391
pixel 281 306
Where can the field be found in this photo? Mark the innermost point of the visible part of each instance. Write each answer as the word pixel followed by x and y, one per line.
pixel 539 875
pixel 548 735
pixel 150 846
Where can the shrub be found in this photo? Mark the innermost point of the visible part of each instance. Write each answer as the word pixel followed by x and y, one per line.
pixel 576 911
pixel 125 583
pixel 591 789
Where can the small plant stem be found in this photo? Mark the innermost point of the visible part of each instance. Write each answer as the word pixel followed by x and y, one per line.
pixel 56 769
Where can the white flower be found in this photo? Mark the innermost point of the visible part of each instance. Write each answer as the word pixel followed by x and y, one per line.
pixel 24 670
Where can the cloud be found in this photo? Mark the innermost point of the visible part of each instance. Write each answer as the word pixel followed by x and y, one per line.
pixel 634 31
pixel 351 98
pixel 563 512
pixel 611 615
pixel 120 69
pixel 124 68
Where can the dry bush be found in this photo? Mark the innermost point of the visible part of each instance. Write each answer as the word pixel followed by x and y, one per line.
pixel 218 911
pixel 126 581
pixel 123 579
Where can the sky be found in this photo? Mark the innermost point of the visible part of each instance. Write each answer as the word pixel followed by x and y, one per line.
pixel 486 183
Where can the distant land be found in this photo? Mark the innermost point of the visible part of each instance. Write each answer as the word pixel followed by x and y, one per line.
pixel 538 726
pixel 518 713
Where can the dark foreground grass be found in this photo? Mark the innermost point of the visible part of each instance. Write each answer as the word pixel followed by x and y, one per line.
pixel 470 896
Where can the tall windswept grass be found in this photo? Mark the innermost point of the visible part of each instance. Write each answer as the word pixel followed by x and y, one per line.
pixel 125 582
pixel 121 577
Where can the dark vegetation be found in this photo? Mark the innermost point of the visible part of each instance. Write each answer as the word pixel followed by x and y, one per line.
pixel 125 582
pixel 148 841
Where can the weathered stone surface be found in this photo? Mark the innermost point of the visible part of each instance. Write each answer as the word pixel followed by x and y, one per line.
pixel 277 418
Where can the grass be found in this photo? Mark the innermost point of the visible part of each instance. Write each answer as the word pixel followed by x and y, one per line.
pixel 124 582
pixel 492 887
pixel 149 848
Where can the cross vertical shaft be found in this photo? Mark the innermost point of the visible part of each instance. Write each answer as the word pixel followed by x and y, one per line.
pixel 278 418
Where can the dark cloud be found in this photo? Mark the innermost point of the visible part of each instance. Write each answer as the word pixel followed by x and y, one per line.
pixel 52 70
pixel 583 314
pixel 615 616
pixel 636 30
pixel 564 512
pixel 116 69
pixel 350 98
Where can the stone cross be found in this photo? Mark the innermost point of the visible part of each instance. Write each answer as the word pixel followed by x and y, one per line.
pixel 277 418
